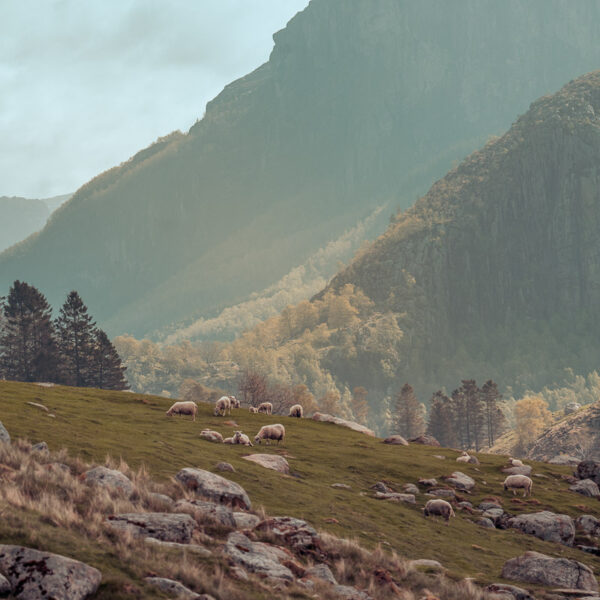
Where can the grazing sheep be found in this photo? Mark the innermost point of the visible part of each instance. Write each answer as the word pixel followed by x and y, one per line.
pixel 235 403
pixel 253 409
pixel 223 406
pixel 183 408
pixel 438 507
pixel 228 440
pixel 297 411
pixel 211 436
pixel 241 438
pixel 270 432
pixel 265 407
pixel 515 462
pixel 518 482
pixel 464 457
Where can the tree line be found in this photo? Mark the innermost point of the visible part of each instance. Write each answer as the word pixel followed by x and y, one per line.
pixel 69 350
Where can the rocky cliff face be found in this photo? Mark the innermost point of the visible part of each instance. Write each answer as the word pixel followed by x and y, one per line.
pixel 361 104
pixel 496 271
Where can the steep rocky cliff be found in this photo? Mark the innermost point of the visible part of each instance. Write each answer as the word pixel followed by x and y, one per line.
pixel 361 104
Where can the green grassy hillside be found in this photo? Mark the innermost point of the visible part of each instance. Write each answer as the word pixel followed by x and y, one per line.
pixel 94 423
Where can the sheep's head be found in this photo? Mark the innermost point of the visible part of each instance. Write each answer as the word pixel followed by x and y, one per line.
pixel 257 439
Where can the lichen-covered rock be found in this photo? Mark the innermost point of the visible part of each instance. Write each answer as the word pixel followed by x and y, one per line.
pixel 485 523
pixel 589 524
pixel 225 466
pixel 426 440
pixel 396 440
pixel 34 574
pixel 380 486
pixel 586 487
pixel 571 407
pixel 5 587
pixel 428 482
pixel 461 481
pixel 427 564
pixel 323 572
pixel 395 497
pixel 162 499
pixel 169 586
pixel 167 527
pixel 215 487
pixel 564 459
pixel 547 526
pixel 245 520
pixel 270 461
pixel 441 492
pixel 295 533
pixel 4 435
pixel 211 436
pixel 325 418
pixel 522 470
pixel 195 549
pixel 349 593
pixel 203 509
pixel 512 591
pixel 541 569
pixel 410 488
pixel 110 478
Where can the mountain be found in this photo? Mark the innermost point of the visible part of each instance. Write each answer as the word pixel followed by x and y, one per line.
pixel 361 104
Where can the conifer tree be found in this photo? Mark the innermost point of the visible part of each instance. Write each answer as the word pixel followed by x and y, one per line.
pixel 107 371
pixel 408 418
pixel 494 418
pixel 75 331
pixel 441 420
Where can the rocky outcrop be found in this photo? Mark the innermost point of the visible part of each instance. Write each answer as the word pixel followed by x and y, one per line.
pixel 34 574
pixel 461 481
pixel 395 497
pixel 541 569
pixel 109 478
pixel 270 461
pixel 166 527
pixel 204 510
pixel 586 487
pixel 174 588
pixel 245 520
pixel 589 524
pixel 511 591
pixel 518 470
pixel 589 469
pixel 325 418
pixel 194 549
pixel 297 534
pixel 426 440
pixel 396 440
pixel 547 526
pixel 214 487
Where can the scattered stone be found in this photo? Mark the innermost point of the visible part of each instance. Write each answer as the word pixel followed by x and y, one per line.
pixel 162 499
pixel 427 564
pixel 245 520
pixel 322 571
pixel 586 487
pixel 5 587
pixel 439 456
pixel 166 527
pixel 486 523
pixel 270 461
pixel 239 573
pixel 295 533
pixel 193 548
pixel 588 524
pixel 34 574
pixel 46 384
pixel 202 509
pixel 461 481
pixel 473 460
pixel 442 493
pixel 169 586
pixel 523 470
pixel 541 569
pixel 349 593
pixel 571 407
pixel 4 435
pixel 547 526
pixel 564 459
pixel 493 513
pixel 397 440
pixel 211 436
pixel 395 497
pixel 341 486
pixel 488 504
pixel 411 488
pixel 215 487
pixel 426 440
pixel 40 447
pixel 343 422
pixel 504 588
pixel 258 557
pixel 465 505
pixel 382 487
pixel 110 478
pixel 224 466
pixel 428 482
pixel 589 469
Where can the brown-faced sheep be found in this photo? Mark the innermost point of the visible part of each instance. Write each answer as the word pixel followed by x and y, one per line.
pixel 518 482
pixel 270 432
pixel 297 411
pixel 183 408
pixel 438 507
pixel 241 438
pixel 253 409
pixel 211 436
pixel 223 406
pixel 265 407
pixel 235 403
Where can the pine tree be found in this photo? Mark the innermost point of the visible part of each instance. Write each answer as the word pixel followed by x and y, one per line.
pixel 27 346
pixel 408 418
pixel 494 418
pixel 107 371
pixel 75 329
pixel 441 420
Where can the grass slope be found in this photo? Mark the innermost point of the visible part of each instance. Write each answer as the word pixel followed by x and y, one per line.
pixel 93 423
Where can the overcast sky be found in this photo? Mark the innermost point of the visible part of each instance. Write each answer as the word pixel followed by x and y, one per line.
pixel 84 84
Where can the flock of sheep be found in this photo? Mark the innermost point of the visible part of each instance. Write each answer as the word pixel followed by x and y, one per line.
pixel 223 406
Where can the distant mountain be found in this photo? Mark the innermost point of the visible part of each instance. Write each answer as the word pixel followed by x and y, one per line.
pixel 361 104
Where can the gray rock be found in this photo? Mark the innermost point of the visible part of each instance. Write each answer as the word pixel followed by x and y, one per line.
pixel 515 592
pixel 211 436
pixel 4 435
pixel 162 499
pixel 427 564
pixel 195 549
pixel 571 408
pixel 322 571
pixel 169 586
pixel 547 526
pixel 428 482
pixel 426 440
pixel 588 524
pixel 461 481
pixel 224 466
pixel 341 486
pixel 486 523
pixel 488 505
pixel 524 470
pixel 410 488
pixel 34 574
pixel 202 509
pixel 349 593
pixel 5 587
pixel 110 478
pixel 442 493
pixel 295 533
pixel 586 487
pixel 589 469
pixel 382 487
pixel 258 557
pixel 564 459
pixel 465 504
pixel 493 513
pixel 394 497
pixel 537 568
pixel 215 487
pixel 245 520
pixel 270 461
pixel 166 527
pixel 344 423
pixel 40 447
pixel 396 440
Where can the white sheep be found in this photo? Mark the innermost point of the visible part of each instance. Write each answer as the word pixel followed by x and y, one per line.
pixel 265 407
pixel 518 482
pixel 241 438
pixel 223 406
pixel 228 440
pixel 211 436
pixel 464 457
pixel 183 408
pixel 235 403
pixel 270 432
pixel 515 462
pixel 439 507
pixel 253 409
pixel 297 411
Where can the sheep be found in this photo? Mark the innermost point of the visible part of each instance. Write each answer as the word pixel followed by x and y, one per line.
pixel 515 462
pixel 223 406
pixel 517 482
pixel 211 436
pixel 183 408
pixel 270 432
pixel 439 507
pixel 235 403
pixel 464 457
pixel 297 411
pixel 253 409
pixel 228 440
pixel 265 407
pixel 241 438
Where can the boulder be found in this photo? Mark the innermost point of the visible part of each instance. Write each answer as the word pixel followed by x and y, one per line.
pixel 162 499
pixel 428 482
pixel 486 523
pixel 224 466
pixel 493 513
pixel 465 505
pixel 40 447
pixel 257 557
pixel 394 497
pixel 397 440
pixel 34 574
pixel 5 587
pixel 211 436
pixel 382 487
pixel 349 593
pixel 547 526
pixel 174 588
pixel 4 435
pixel 589 469
pixel 245 520
pixel 295 533
pixel 323 572
pixel 410 488
pixel 427 564
pixel 442 493
pixel 325 418
pixel 540 569
pixel 488 504
pixel 202 509
pixel 523 470
pixel 564 459
pixel 513 591
pixel 461 481
pixel 195 549
pixel 110 478
pixel 589 524
pixel 215 487
pixel 270 461
pixel 166 527
pixel 571 407
pixel 586 487
pixel 426 440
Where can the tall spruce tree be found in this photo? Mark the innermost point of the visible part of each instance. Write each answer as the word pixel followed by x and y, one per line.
pixel 75 332
pixel 408 418
pixel 107 371
pixel 441 420
pixel 494 417
pixel 28 349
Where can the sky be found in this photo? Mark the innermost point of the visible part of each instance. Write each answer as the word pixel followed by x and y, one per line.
pixel 84 84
